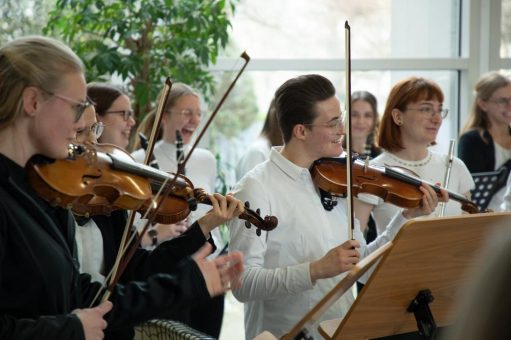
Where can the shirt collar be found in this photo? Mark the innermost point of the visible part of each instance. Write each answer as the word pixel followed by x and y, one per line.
pixel 292 170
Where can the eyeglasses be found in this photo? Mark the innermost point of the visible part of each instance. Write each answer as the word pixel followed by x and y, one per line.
pixel 95 130
pixel 429 112
pixel 126 114
pixel 78 106
pixel 332 125
pixel 187 113
pixel 501 101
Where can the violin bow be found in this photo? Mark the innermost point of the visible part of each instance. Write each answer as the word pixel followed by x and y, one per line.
pixel 246 57
pixel 349 158
pixel 120 263
pixel 167 188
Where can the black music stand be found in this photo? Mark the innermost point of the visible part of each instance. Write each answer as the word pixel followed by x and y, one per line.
pixel 488 183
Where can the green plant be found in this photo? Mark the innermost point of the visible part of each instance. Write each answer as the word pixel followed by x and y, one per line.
pixel 145 41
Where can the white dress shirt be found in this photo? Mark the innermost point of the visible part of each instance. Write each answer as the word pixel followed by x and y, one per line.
pixel 276 283
pixel 89 244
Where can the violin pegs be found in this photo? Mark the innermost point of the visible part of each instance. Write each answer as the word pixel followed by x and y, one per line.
pixel 258 232
pixel 247 204
pixel 247 224
pixel 258 211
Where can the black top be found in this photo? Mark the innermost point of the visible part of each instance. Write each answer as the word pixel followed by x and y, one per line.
pixel 478 155
pixel 39 280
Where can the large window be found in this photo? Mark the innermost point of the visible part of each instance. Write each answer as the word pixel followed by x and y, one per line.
pixel 391 40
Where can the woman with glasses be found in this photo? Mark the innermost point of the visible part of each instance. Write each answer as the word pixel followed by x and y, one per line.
pixel 42 293
pixel 98 238
pixel 182 116
pixel 113 108
pixel 485 141
pixel 412 118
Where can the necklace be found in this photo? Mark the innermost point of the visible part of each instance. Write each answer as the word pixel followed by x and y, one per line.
pixel 414 164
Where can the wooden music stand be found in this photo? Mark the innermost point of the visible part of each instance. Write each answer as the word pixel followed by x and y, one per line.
pixel 300 329
pixel 429 255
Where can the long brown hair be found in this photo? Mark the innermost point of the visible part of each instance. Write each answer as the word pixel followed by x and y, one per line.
pixel 103 95
pixel 372 138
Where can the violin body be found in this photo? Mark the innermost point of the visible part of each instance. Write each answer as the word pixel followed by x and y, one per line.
pixel 87 183
pixel 98 179
pixel 391 185
pixel 330 175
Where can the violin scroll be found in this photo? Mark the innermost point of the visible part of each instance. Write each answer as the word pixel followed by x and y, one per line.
pixel 251 217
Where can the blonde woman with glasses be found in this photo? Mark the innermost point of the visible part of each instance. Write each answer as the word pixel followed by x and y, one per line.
pixel 42 293
pixel 182 116
pixel 485 141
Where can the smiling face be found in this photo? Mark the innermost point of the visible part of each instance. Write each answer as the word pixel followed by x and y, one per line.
pixel 54 124
pixel 117 130
pixel 324 135
pixel 419 122
pixel 498 106
pixel 362 119
pixel 185 116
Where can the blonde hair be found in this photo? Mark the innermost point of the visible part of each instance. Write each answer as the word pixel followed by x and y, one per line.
pixel 31 61
pixel 177 91
pixel 484 89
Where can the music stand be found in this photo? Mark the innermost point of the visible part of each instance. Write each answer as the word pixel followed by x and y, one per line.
pixel 429 255
pixel 488 183
pixel 299 331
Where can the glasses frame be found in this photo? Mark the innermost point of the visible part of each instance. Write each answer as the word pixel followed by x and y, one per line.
pixel 187 113
pixel 504 102
pixel 78 106
pixel 334 124
pixel 126 114
pixel 95 129
pixel 422 110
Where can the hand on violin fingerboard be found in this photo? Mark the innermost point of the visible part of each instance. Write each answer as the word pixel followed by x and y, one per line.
pixel 429 202
pixel 224 209
pixel 336 261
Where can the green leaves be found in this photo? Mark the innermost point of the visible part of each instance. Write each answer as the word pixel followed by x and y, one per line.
pixel 145 41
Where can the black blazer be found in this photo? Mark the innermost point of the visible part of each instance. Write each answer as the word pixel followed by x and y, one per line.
pixel 39 280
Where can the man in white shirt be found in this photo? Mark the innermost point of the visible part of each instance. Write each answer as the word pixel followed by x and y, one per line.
pixel 288 270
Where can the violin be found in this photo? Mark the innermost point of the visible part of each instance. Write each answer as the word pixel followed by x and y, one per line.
pixel 391 185
pixel 100 178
